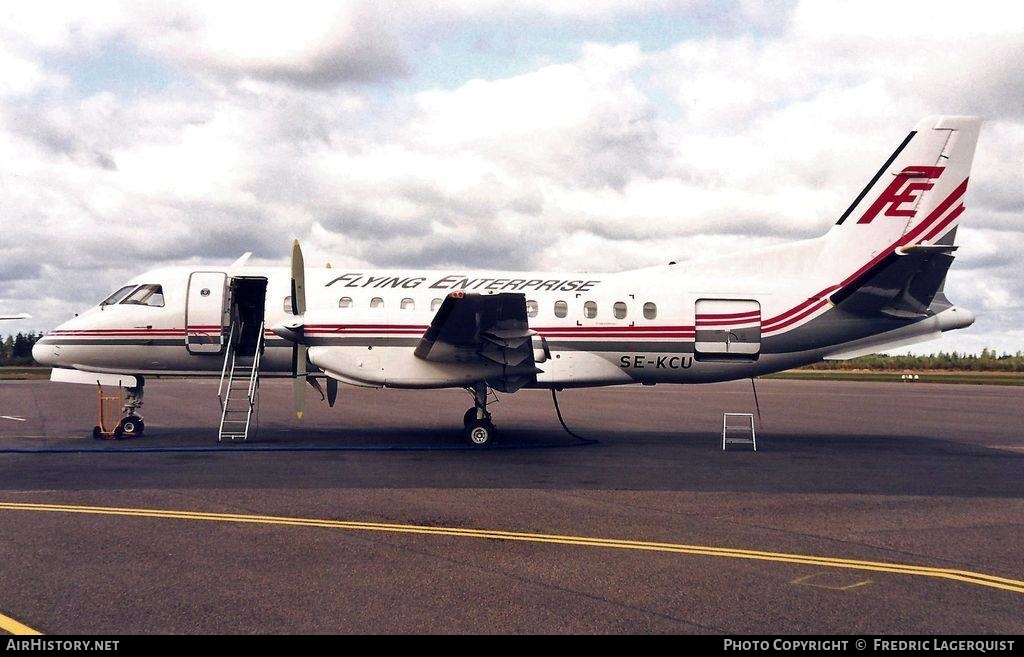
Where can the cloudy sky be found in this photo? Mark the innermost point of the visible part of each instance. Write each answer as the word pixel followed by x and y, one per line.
pixel 606 134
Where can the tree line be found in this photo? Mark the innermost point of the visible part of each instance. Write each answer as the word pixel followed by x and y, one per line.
pixel 17 349
pixel 987 361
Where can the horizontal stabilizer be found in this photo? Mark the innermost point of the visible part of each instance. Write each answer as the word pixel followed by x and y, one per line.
pixel 904 284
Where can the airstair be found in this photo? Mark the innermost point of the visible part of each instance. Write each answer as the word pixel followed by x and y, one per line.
pixel 239 387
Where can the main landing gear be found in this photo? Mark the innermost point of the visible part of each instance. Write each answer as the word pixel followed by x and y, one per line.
pixel 477 421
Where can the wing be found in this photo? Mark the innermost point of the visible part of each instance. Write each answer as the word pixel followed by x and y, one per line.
pixel 470 327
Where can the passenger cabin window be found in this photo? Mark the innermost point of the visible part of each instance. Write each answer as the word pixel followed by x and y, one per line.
pixel 532 308
pixel 619 309
pixel 650 310
pixel 345 302
pixel 147 295
pixel 590 310
pixel 435 304
pixel 376 302
pixel 408 304
pixel 288 304
pixel 117 296
pixel 561 309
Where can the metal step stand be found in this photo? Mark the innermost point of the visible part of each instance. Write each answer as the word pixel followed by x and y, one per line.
pixel 238 390
pixel 726 427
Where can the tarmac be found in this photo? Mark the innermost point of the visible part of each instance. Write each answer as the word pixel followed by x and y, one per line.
pixel 868 508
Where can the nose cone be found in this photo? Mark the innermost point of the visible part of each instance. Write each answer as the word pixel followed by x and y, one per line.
pixel 45 353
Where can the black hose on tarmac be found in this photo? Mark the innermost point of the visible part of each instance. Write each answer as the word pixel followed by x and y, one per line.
pixel 558 411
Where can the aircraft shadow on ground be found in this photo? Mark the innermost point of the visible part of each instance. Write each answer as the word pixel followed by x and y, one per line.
pixel 552 460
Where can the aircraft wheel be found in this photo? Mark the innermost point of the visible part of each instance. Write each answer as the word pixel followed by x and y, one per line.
pixel 480 433
pixel 96 435
pixel 469 416
pixel 131 426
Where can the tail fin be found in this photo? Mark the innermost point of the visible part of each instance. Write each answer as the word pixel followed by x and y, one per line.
pixel 915 200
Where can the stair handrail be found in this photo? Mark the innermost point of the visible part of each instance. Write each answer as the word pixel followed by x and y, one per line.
pixel 254 375
pixel 228 356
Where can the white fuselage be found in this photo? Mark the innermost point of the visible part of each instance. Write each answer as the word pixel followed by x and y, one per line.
pixel 658 325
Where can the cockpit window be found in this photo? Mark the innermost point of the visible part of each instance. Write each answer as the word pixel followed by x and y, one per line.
pixel 147 295
pixel 117 296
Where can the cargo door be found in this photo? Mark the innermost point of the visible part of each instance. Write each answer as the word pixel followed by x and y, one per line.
pixel 728 329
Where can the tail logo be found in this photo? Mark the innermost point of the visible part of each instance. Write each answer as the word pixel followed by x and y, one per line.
pixel 903 192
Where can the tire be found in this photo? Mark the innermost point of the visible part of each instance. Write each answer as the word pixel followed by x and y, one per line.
pixel 132 426
pixel 480 433
pixel 469 416
pixel 96 435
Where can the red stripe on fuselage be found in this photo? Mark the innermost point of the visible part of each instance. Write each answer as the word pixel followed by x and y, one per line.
pixel 753 321
pixel 115 332
pixel 796 318
pixel 753 314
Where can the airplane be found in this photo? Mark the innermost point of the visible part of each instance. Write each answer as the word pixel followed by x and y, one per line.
pixel 15 317
pixel 874 281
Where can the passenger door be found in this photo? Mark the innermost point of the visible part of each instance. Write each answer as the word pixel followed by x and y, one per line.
pixel 206 312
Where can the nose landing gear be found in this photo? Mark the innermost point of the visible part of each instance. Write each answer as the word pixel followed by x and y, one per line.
pixel 125 405
pixel 131 426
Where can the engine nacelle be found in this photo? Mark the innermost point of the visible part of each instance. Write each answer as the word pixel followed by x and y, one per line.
pixel 397 366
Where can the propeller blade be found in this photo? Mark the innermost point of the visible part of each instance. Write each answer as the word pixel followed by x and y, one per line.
pixel 315 384
pixel 299 393
pixel 332 391
pixel 299 382
pixel 299 357
pixel 302 362
pixel 298 280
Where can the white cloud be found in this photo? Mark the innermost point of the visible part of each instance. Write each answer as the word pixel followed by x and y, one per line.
pixel 556 10
pixel 22 76
pixel 895 21
pixel 316 44
pixel 584 123
pixel 61 24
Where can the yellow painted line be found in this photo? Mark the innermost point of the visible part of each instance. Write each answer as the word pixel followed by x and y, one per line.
pixel 809 580
pixel 966 576
pixel 11 626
